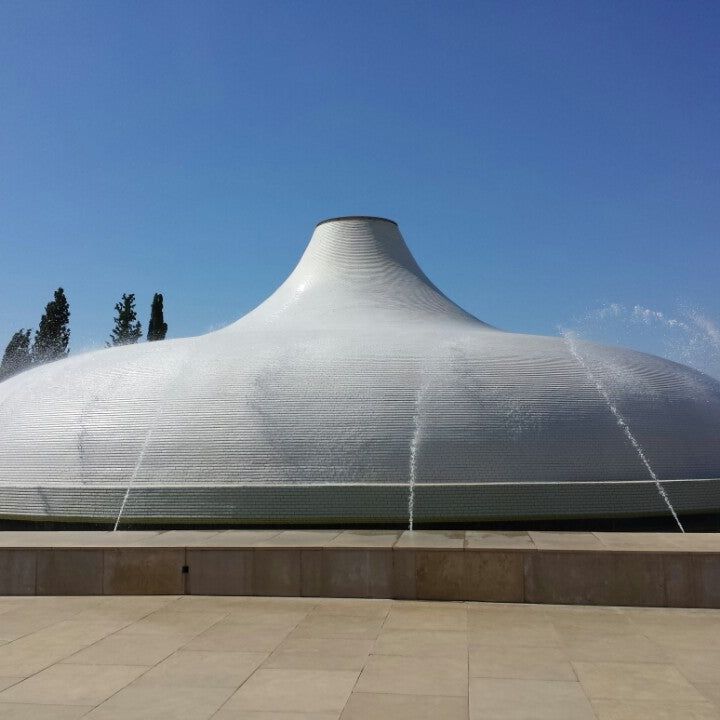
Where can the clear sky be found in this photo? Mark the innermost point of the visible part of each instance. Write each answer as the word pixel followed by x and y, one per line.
pixel 544 160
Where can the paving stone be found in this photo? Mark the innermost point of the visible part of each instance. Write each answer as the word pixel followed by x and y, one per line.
pixel 495 699
pixel 180 538
pixel 384 706
pixel 237 637
pixel 33 711
pixel 127 649
pixel 634 541
pixel 155 702
pixel 595 646
pixel 300 538
pixel 356 627
pixel 711 691
pixel 414 676
pixel 522 663
pixel 649 710
pixel 549 540
pixel 230 714
pixel 125 609
pixel 351 606
pixel 166 623
pixel 422 643
pixel 320 654
pixel 6 682
pixel 238 538
pixel 72 685
pixel 681 632
pixel 503 631
pixel 272 618
pixel 509 540
pixel 365 538
pixel 428 616
pixel 202 668
pixel 432 539
pixel 294 658
pixel 654 682
pixel 699 665
pixel 309 691
pixel 36 651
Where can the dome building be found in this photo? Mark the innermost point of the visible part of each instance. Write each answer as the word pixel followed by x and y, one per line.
pixel 358 393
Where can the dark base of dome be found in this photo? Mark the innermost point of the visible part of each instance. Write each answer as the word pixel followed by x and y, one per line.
pixel 695 523
pixel 572 506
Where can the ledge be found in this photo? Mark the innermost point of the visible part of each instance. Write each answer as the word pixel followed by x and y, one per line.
pixel 636 569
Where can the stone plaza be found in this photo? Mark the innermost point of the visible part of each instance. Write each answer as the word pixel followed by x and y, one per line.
pixel 255 658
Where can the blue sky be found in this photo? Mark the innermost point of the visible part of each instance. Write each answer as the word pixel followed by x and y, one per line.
pixel 543 160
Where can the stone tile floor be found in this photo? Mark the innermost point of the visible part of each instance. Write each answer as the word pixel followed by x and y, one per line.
pixel 242 658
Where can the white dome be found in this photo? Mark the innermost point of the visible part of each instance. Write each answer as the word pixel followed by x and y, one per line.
pixel 314 406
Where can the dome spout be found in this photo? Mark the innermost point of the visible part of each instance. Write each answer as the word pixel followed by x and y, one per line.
pixel 360 269
pixel 357 244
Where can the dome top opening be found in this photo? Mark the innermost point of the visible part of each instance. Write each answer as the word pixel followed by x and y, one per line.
pixel 355 217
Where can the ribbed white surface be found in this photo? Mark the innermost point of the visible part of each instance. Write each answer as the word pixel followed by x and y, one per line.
pixel 326 381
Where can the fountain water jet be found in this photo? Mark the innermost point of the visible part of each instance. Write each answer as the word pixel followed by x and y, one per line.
pixel 413 457
pixel 415 440
pixel 689 336
pixel 133 477
pixel 572 347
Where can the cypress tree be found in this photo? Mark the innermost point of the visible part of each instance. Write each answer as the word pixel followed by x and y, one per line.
pixel 53 335
pixel 157 327
pixel 17 355
pixel 127 328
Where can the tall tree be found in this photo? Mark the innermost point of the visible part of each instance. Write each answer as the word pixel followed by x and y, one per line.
pixel 53 335
pixel 127 328
pixel 157 328
pixel 17 354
